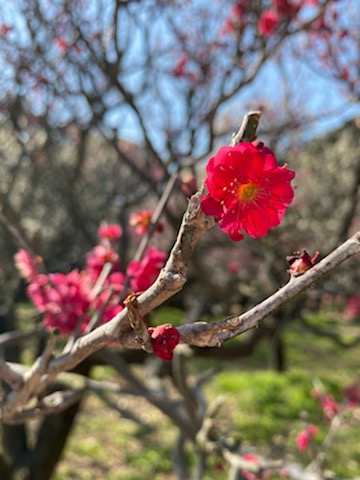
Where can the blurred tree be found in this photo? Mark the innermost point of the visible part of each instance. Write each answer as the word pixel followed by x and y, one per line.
pixel 102 101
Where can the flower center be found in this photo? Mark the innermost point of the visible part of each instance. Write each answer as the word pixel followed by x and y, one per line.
pixel 246 192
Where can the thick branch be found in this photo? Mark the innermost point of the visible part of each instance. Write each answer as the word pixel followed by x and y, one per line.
pixel 204 334
pixel 170 281
pixel 53 403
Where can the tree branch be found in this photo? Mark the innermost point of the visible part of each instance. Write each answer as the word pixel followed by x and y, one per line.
pixel 202 334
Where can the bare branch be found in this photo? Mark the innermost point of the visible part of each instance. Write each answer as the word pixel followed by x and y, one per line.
pixel 127 327
pixel 15 337
pixel 156 216
pixel 31 380
pixel 10 376
pixel 171 281
pixel 214 334
pixel 54 403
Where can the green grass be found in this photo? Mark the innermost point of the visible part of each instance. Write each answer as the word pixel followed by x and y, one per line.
pixel 171 315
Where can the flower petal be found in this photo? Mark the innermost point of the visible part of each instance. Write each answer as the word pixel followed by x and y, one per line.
pixel 210 206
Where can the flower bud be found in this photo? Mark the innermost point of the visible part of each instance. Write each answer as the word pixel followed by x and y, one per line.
pixel 300 262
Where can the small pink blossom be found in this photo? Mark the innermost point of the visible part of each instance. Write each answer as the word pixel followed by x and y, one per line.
pixel 268 23
pixel 232 24
pixel 144 272
pixel 233 268
pixel 305 437
pixel 353 307
pixel 250 457
pixel 247 474
pixel 27 264
pixel 116 280
pixel 61 44
pixel 110 232
pixel 96 259
pixel 182 70
pixel 141 221
pixel 303 441
pixel 63 298
pixel 37 291
pixel 313 429
pixel 329 405
pixel 229 27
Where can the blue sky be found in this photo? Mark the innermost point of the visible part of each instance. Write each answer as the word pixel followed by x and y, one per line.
pixel 311 91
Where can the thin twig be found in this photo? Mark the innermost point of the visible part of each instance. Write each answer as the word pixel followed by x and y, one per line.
pixel 156 215
pixel 18 236
pixel 152 227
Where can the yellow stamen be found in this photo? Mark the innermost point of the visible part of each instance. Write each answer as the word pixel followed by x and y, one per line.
pixel 247 192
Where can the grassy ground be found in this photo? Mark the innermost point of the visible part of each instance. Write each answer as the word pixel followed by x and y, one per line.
pixel 266 410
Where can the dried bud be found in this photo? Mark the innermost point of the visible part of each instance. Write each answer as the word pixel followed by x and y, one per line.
pixel 299 263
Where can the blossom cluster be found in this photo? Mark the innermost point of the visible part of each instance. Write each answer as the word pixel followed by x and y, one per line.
pixel 268 21
pixel 332 411
pixel 70 301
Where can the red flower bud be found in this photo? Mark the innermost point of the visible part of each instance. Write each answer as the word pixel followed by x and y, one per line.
pixel 164 339
pixel 300 262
